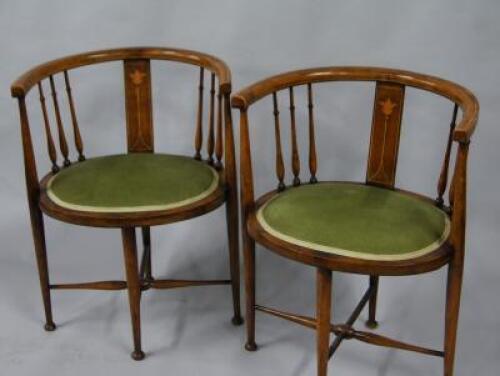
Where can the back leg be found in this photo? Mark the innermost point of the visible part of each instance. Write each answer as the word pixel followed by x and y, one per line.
pixel 146 268
pixel 372 307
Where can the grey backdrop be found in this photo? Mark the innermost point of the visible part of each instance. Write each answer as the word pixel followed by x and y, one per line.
pixel 188 332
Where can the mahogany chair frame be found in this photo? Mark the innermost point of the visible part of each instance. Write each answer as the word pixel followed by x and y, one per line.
pixel 137 79
pixel 390 84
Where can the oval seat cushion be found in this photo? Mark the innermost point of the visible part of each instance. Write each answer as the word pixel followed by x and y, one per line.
pixel 132 182
pixel 355 220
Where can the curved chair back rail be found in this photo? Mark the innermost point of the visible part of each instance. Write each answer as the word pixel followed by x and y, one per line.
pixel 25 82
pixel 217 139
pixel 454 92
pixel 384 142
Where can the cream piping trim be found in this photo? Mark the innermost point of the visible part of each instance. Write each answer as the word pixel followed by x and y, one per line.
pixel 354 254
pixel 124 209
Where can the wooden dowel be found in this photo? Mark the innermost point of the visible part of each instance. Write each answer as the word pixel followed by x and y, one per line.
pixel 50 141
pixel 308 322
pixel 280 166
pixel 63 145
pixel 295 149
pixel 76 129
pixel 352 318
pixel 198 140
pixel 375 339
pixel 176 283
pixel 218 137
pixel 211 116
pixel 443 178
pixel 312 140
pixel 99 285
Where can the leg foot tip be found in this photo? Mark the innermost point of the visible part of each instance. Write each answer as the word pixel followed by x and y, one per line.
pixel 250 346
pixel 138 355
pixel 237 320
pixel 372 324
pixel 50 327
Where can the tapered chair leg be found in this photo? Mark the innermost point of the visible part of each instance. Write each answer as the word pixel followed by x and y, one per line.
pixel 41 260
pixel 323 318
pixel 134 287
pixel 453 292
pixel 249 258
pixel 146 268
pixel 234 255
pixel 372 305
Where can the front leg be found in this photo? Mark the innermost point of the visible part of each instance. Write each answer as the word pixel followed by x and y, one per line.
pixel 134 287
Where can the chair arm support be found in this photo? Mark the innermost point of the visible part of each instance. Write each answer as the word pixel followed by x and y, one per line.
pixel 458 195
pixel 32 183
pixel 246 175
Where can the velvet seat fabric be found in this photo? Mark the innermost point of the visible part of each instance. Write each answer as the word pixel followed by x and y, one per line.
pixel 132 182
pixel 355 220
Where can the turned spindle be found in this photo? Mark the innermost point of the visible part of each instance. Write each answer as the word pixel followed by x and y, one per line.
pixel 312 141
pixel 74 121
pixel 210 138
pixel 280 166
pixel 218 135
pixel 63 145
pixel 443 177
pixel 295 149
pixel 198 140
pixel 50 141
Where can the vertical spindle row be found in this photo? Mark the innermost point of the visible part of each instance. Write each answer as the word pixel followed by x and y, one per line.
pixel 443 178
pixel 218 137
pixel 50 141
pixel 312 140
pixel 280 166
pixel 295 149
pixel 63 145
pixel 76 129
pixel 210 138
pixel 198 140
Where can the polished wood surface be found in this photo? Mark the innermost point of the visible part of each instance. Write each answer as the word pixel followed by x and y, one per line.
pixel 390 85
pixel 384 140
pixel 140 138
pixel 138 105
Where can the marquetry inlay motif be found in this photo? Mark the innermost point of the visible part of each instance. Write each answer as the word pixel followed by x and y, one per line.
pixel 384 142
pixel 138 105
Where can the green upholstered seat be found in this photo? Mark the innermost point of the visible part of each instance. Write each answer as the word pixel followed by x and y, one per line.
pixel 355 220
pixel 132 182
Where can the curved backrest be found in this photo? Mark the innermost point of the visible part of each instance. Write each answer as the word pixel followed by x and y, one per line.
pixel 386 122
pixel 138 103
